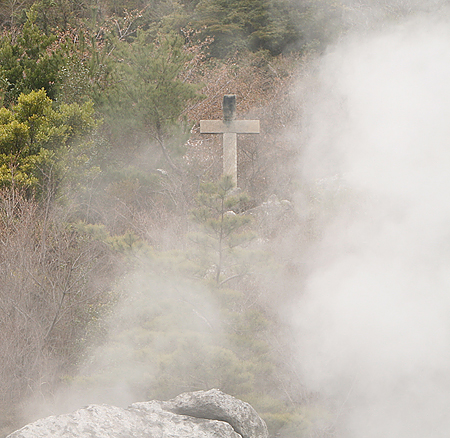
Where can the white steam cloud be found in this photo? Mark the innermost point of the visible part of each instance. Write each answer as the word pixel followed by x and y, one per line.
pixel 374 319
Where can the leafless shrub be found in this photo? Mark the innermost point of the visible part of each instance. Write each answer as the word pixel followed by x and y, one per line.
pixel 53 284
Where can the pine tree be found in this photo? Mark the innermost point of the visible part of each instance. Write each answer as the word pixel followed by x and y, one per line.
pixel 271 25
pixel 222 230
pixel 149 96
pixel 28 63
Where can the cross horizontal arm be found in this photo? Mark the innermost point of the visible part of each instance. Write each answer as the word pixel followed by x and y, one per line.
pixel 234 126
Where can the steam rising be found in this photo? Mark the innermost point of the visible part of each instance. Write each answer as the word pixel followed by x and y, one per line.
pixel 374 320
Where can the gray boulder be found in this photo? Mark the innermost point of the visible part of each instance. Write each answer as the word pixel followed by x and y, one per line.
pixel 201 414
pixel 216 405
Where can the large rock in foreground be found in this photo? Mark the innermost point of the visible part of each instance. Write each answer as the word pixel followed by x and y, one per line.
pixel 201 414
pixel 215 405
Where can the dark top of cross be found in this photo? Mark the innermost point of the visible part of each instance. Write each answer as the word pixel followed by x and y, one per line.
pixel 229 124
pixel 229 107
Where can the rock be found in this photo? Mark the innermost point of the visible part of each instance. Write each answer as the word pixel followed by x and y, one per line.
pixel 201 414
pixel 216 405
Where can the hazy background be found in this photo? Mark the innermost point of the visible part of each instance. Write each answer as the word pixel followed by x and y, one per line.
pixel 373 322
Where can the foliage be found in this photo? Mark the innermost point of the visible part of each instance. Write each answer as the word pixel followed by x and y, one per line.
pixel 87 66
pixel 222 227
pixel 29 62
pixel 250 24
pixel 149 96
pixel 40 145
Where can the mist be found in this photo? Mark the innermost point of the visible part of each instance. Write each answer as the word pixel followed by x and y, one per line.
pixel 372 323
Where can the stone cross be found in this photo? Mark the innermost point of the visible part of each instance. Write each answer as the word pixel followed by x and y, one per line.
pixel 229 127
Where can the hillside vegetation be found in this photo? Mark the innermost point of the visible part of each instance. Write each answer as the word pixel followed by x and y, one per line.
pixel 124 256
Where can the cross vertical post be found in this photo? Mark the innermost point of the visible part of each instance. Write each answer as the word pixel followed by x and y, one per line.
pixel 229 127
